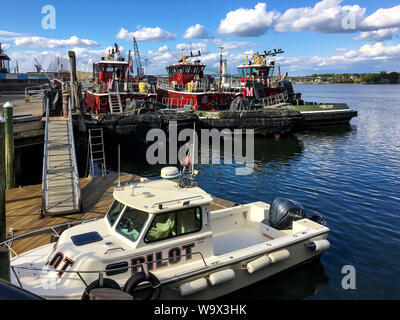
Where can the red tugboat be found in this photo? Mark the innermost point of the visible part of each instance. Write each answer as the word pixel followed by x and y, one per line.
pixel 258 84
pixel 188 87
pixel 113 87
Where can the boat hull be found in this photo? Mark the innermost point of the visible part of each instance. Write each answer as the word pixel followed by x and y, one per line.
pixel 299 254
pixel 207 100
pixel 324 114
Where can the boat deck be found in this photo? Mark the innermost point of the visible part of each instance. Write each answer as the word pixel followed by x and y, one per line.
pixel 23 207
pixel 237 239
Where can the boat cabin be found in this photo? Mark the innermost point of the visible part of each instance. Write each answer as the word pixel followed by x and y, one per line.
pixel 106 70
pixel 256 70
pixel 4 62
pixel 183 73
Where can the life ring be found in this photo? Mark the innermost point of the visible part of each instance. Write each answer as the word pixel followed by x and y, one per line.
pixel 107 283
pixel 103 102
pixel 253 104
pixel 139 278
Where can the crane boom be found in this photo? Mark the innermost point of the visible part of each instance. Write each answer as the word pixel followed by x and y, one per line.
pixel 137 59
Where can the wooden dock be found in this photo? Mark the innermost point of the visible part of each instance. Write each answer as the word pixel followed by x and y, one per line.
pixel 28 124
pixel 23 206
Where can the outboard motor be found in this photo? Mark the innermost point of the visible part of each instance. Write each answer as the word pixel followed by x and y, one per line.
pixel 283 212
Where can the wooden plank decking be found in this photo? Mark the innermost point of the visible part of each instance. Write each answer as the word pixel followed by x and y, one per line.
pixel 23 207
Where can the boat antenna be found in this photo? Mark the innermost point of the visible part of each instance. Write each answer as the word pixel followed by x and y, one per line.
pixel 220 69
pixel 119 165
pixel 194 141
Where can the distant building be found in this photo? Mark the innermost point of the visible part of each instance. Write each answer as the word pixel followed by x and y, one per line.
pixel 384 81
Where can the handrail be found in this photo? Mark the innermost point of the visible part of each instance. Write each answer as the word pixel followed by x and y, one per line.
pixel 50 228
pixel 75 165
pixel 116 269
pixel 44 172
pixel 179 200
pixel 37 91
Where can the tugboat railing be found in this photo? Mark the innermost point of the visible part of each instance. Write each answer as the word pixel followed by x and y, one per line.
pixel 124 86
pixel 177 102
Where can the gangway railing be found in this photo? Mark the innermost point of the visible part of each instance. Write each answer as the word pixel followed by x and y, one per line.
pixel 61 190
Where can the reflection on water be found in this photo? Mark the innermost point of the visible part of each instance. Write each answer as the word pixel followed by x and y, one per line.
pixel 298 283
pixel 349 174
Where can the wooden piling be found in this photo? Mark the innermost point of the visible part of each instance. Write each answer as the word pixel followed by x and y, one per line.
pixel 76 93
pixel 4 264
pixel 8 113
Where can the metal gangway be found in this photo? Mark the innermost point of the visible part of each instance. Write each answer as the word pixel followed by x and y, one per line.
pixel 61 190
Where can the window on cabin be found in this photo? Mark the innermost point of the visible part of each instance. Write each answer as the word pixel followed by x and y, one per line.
pixel 271 72
pixel 114 211
pixel 131 223
pixel 173 224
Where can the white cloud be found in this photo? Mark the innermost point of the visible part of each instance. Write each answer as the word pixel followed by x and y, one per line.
pixel 196 32
pixel 248 22
pixel 325 17
pixel 383 57
pixel 378 35
pixel 382 18
pixel 233 45
pixel 9 33
pixel 145 34
pixel 41 42
pixel 194 46
pixel 85 57
pixel 6 46
pixel 328 16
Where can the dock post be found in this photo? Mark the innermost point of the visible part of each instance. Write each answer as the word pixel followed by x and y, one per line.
pixel 4 264
pixel 2 180
pixel 8 113
pixel 76 93
pixel 4 255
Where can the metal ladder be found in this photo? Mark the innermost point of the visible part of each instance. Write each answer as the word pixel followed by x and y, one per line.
pixel 114 100
pixel 97 155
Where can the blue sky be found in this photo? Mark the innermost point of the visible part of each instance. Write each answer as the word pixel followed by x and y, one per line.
pixel 310 31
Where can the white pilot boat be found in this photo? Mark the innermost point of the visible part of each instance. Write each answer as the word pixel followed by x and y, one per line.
pixel 160 240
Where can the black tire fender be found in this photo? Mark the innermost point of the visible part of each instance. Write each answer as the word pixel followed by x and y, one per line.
pixel 140 277
pixel 107 283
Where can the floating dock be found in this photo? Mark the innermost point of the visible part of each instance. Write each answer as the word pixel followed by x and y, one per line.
pixel 23 208
pixel 28 124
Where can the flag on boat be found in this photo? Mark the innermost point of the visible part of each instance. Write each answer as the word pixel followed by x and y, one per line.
pixel 185 162
pixel 278 71
pixel 130 63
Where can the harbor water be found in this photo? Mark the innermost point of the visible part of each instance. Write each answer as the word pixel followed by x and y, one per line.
pixel 348 174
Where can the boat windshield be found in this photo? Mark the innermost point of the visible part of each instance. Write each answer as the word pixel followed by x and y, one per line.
pixel 114 211
pixel 131 223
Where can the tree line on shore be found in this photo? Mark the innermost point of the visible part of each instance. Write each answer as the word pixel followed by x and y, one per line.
pixel 381 77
